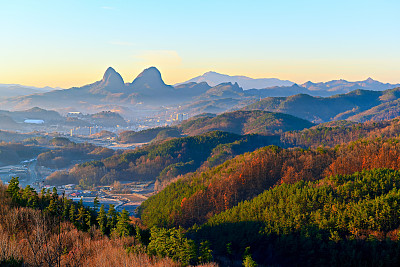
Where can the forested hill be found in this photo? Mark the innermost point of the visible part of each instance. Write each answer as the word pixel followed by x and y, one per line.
pixel 245 122
pixel 238 122
pixel 340 132
pixel 343 220
pixel 44 229
pixel 196 197
pixel 148 135
pixel 360 105
pixel 323 134
pixel 163 160
pixel 276 204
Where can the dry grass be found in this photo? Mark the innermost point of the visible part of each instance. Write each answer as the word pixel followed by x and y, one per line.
pixel 40 240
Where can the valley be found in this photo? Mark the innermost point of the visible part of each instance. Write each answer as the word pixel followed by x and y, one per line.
pixel 65 158
pixel 205 175
pixel 199 133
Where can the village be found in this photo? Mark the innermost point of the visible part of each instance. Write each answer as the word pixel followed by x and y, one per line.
pixel 123 195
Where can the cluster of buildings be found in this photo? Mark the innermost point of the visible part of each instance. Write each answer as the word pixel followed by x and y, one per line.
pixel 163 120
pixel 70 191
pixel 181 117
pixel 85 130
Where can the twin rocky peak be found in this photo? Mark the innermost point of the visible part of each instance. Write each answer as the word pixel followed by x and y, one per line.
pixel 149 79
pixel 149 84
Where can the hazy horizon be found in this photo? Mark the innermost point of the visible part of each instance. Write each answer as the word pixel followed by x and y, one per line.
pixel 66 44
pixel 100 76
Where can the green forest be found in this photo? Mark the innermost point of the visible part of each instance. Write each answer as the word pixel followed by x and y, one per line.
pixel 342 220
pixel 238 122
pixel 44 229
pixel 333 204
pixel 325 195
pixel 162 160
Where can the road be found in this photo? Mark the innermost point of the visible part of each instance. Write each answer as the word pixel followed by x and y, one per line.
pixel 32 175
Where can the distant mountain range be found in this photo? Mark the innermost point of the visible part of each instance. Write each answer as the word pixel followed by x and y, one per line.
pixel 343 86
pixel 111 90
pixel 358 105
pixel 213 78
pixel 149 83
pixel 12 90
pixel 148 93
pixel 147 89
pixel 276 85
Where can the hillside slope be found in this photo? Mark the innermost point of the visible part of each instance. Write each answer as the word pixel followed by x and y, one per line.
pixel 162 160
pixel 245 122
pixel 237 122
pixel 343 220
pixel 196 197
pixel 352 106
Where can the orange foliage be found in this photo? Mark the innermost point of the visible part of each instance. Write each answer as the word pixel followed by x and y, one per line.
pixel 365 155
pixel 248 177
pixel 40 240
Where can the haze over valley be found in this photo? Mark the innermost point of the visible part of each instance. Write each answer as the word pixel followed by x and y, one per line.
pixel 115 116
pixel 119 115
pixel 199 133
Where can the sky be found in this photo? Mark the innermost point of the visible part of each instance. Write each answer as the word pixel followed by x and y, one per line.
pixel 71 43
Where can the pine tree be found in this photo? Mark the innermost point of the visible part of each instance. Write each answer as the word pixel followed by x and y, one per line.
pixel 13 189
pixel 54 195
pixel 52 208
pixel 80 203
pixel 33 200
pixel 72 215
pixel 65 211
pixel 43 192
pixel 81 219
pixel 27 192
pixel 172 243
pixel 247 259
pixel 111 217
pixel 29 196
pixel 48 195
pixel 123 228
pixel 88 220
pixel 249 262
pixel 102 220
pixel 96 203
pixel 188 251
pixel 205 252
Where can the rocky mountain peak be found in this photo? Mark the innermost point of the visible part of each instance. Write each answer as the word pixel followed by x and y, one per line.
pixel 112 78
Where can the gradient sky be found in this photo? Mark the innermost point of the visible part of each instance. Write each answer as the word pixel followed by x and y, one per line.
pixel 71 43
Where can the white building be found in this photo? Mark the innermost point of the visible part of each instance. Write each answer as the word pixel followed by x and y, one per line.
pixel 34 121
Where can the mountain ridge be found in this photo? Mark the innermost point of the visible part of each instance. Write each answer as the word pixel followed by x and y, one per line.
pixel 344 86
pixel 358 105
pixel 214 78
pixel 150 91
